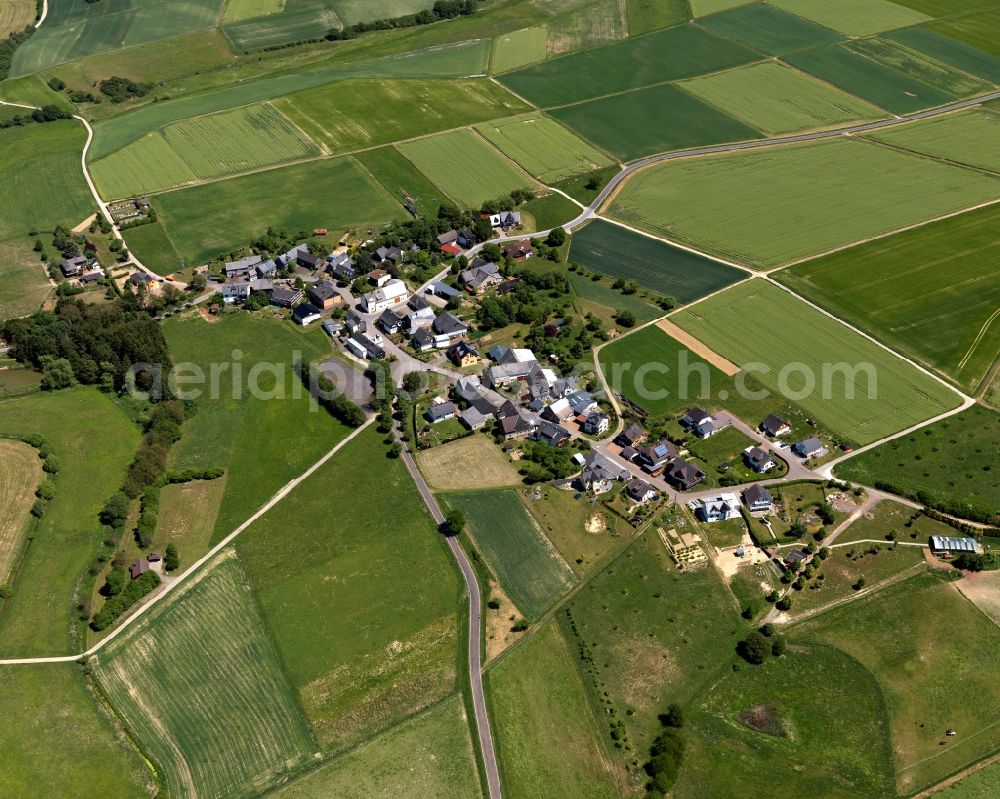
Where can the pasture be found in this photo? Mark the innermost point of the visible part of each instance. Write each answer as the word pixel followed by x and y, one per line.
pixel 854 17
pixel 36 620
pixel 529 568
pixel 950 51
pixel 205 221
pixel 775 99
pixel 426 757
pixel 776 205
pixel 193 676
pixel 187 516
pixel 984 783
pixel 876 395
pixel 519 48
pixel 471 462
pixel 916 65
pixel 24 282
pixel 55 739
pixel 938 639
pixel 395 174
pixel 152 246
pixel 758 731
pixel 32 90
pixel 969 137
pixel 545 148
pixel 655 265
pixel 549 211
pixel 202 148
pixel 339 116
pixel 465 167
pixel 351 11
pixel 769 29
pixel 547 738
pixel 601 293
pixel 391 648
pixel 20 474
pixel 671 54
pixel 702 8
pixel 953 463
pixel 931 292
pixel 661 118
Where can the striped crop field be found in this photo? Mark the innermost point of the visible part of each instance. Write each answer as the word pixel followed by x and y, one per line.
pixel 970 137
pixel 20 473
pixel 544 148
pixel 201 687
pixel 854 17
pixel 465 167
pixel 519 48
pixel 202 148
pixel 769 29
pixel 949 80
pixel 759 323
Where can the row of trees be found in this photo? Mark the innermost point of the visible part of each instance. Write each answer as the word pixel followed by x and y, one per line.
pixel 329 397
pixel 47 113
pixel 442 9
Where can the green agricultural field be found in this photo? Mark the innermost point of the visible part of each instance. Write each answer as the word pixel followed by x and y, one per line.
pixel 662 118
pixel 36 620
pixel 981 784
pixel 780 204
pixel 351 11
pixel 875 82
pixel 427 757
pixel 702 8
pixel 758 732
pixel 854 17
pixel 920 67
pixel 42 178
pixel 931 292
pixel 290 435
pixel 769 29
pixel 465 167
pixel 237 10
pixel 519 48
pixel 528 567
pixel 976 30
pixel 23 280
pixel 204 221
pixel 650 15
pixel 547 738
pixel 952 464
pixel 32 90
pixel 950 51
pixel 889 396
pixel 585 24
pixel 190 679
pixel 151 246
pixel 278 30
pixel 545 148
pixel 970 137
pixel 681 52
pixel 339 115
pixel 391 648
pixel 655 265
pixel 206 147
pixel 944 8
pixel 917 674
pixel 55 739
pixel 550 210
pixel 601 293
pixel 396 175
pixel 775 99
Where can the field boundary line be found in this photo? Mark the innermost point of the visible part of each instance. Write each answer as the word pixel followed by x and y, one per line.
pixel 982 333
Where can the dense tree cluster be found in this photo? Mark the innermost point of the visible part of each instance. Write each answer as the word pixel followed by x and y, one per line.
pixel 442 9
pixel 119 89
pixel 47 113
pixel 116 605
pixel 9 45
pixel 328 397
pixel 541 463
pixel 666 753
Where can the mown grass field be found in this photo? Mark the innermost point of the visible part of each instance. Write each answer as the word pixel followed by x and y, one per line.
pixel 351 11
pixel 775 99
pixel 394 173
pixel 55 739
pixel 544 148
pixel 206 147
pixel 769 29
pixel 547 738
pixel 681 52
pixel 969 137
pixel 465 167
pixel 855 17
pixel 951 51
pixel 187 517
pixel 194 676
pixel 955 460
pixel 426 757
pixel 519 48
pixel 939 639
pixel 36 620
pixel 24 282
pixel 655 265
pixel 340 117
pixel 528 567
pixel 932 292
pixel 584 24
pixel 20 474
pixel 887 398
pixel 204 221
pixel 777 205
pixel 15 15
pixel 472 462
pixel 152 246
pixel 758 731
pixel 391 646
pixel 661 118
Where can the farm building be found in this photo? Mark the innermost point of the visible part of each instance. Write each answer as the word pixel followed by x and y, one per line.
pixel 950 544
pixel 323 294
pixel 242 267
pixel 445 291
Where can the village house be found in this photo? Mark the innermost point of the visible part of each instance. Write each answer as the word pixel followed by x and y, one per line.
pixel 640 491
pixel 448 237
pixel 392 293
pixel 323 294
pixel 758 459
pixel 306 314
pixel 354 323
pixel 719 509
pixel 582 403
pixel 794 558
pixel 440 412
pixel 389 322
pixel 422 340
pixel 757 499
pixel 266 270
pixel 445 291
pixel 505 220
pixel 550 433
pixel 235 293
pixel 596 423
pixel 421 318
pixel 446 329
pixel 342 267
pixel 774 426
pixel 138 568
pixel 700 422
pixel 363 347
pixel 683 475
pixel 286 296
pixel 241 268
pixel 71 267
pixel 518 251
pixel 480 276
pixel 654 457
pixel 463 354
pixel 391 255
pixel 598 474
pixel 810 448
pixel 630 436
pixel 332 327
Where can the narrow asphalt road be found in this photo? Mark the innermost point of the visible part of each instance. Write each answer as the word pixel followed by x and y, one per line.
pixel 475 626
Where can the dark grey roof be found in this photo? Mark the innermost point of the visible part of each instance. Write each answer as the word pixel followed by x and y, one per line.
pixel 323 289
pixel 304 310
pixel 446 324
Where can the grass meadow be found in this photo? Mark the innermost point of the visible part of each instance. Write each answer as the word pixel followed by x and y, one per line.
pixel 15 15
pixel 981 784
pixel 952 51
pixel 599 292
pixel 20 474
pixel 544 148
pixel 703 8
pixel 529 568
pixel 278 30
pixel 359 593
pixel 547 738
pixel 193 678
pixel 468 463
pixel 969 137
pixel 775 99
pixel 930 292
pixel 650 15
pixel 154 248
pixel 773 206
pixel 655 265
pixel 519 48
pixel 237 10
pixel 794 333
pixel 55 739
pixel 465 167
pixel 769 29
pixel 24 283
pixel 939 640
pixel 854 17
pixel 394 173
pixel 36 619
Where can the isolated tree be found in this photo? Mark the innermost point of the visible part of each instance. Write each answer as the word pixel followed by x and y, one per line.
pixel 556 237
pixel 754 648
pixel 171 560
pixel 785 603
pixel 625 318
pixel 115 510
pixel 413 382
pixel 673 717
pixel 778 646
pixel 454 522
